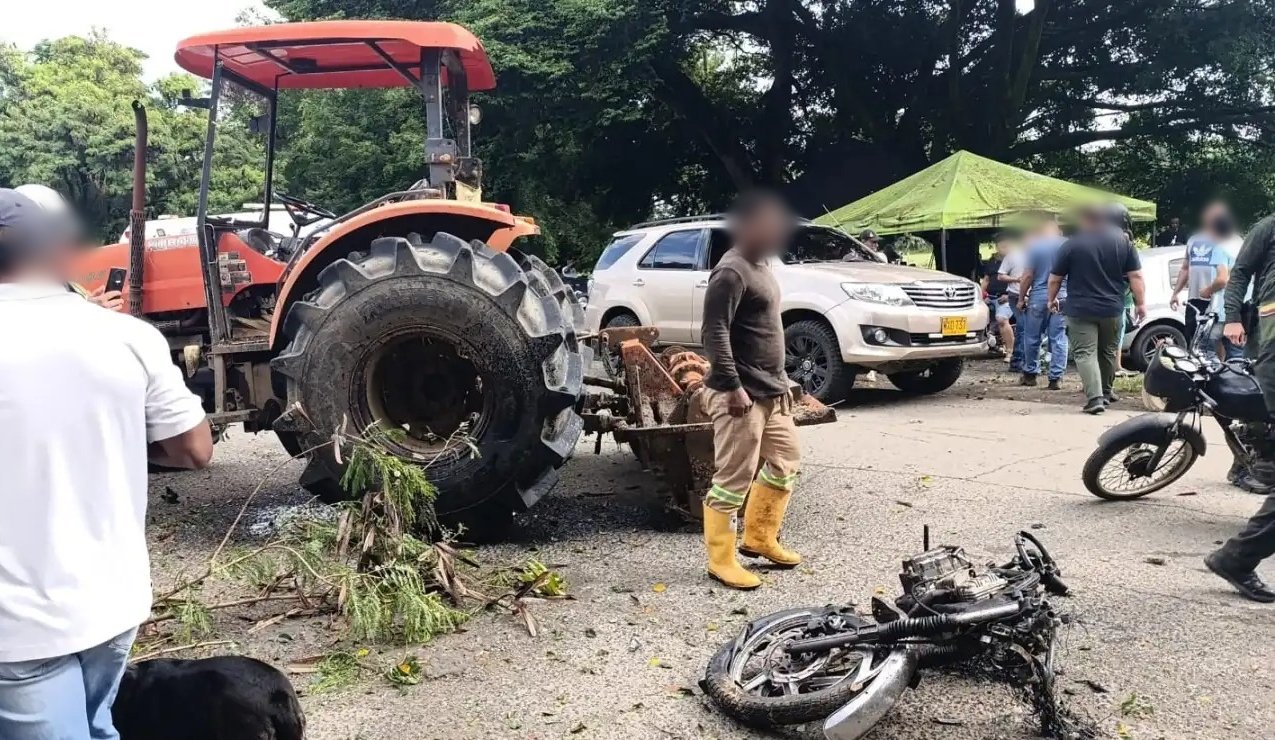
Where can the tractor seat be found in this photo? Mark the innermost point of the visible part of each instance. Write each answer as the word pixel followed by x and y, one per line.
pixel 261 241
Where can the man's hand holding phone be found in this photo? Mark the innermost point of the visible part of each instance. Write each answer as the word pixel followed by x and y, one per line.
pixel 112 300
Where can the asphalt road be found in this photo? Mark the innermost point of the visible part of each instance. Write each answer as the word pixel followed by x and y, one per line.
pixel 623 658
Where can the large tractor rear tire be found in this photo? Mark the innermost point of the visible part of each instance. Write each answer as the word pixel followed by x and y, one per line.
pixel 472 353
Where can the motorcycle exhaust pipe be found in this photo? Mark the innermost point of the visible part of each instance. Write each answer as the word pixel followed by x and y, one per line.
pixel 861 714
pixel 908 627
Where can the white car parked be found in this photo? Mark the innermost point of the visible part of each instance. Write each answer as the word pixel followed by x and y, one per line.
pixel 1163 324
pixel 842 315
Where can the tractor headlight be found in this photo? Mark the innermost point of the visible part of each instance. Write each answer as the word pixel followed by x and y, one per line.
pixel 890 295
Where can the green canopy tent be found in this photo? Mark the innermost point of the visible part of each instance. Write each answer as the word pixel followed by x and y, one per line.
pixel 966 191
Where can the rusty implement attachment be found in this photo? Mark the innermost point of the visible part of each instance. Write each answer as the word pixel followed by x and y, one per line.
pixel 658 411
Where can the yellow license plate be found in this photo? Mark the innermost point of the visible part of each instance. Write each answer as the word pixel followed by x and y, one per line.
pixel 953 326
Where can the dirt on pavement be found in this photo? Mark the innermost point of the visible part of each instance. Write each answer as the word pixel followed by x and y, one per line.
pixel 622 659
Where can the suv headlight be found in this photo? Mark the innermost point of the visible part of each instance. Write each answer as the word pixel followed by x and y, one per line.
pixel 890 295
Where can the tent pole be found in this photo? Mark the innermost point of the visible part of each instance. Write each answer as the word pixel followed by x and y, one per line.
pixel 943 250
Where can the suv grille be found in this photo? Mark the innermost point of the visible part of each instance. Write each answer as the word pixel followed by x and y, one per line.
pixel 941 295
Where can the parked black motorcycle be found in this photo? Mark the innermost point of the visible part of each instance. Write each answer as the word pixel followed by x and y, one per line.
pixel 803 665
pixel 1146 453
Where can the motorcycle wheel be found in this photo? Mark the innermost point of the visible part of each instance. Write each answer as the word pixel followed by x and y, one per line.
pixel 1119 470
pixel 754 681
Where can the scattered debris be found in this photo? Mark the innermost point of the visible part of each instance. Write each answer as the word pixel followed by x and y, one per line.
pixel 382 566
pixel 1096 687
pixel 1136 706
pixel 407 672
pixel 277 520
pixel 336 671
pixel 541 580
pixel 1155 561
pixel 948 721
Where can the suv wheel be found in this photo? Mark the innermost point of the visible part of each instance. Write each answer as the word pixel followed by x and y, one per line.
pixel 934 379
pixel 1148 342
pixel 812 357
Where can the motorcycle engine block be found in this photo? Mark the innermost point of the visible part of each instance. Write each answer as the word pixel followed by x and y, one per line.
pixel 948 568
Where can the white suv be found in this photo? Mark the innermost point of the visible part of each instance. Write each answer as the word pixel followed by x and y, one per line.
pixel 842 315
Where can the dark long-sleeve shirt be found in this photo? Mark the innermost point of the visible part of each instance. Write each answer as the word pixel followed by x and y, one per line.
pixel 743 334
pixel 1255 264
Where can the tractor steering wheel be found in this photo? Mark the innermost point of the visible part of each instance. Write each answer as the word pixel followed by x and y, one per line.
pixel 302 212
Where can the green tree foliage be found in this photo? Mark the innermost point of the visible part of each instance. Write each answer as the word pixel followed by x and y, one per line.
pixel 610 111
pixel 66 121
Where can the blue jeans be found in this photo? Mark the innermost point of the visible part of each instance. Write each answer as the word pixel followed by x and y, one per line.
pixel 1040 324
pixel 1016 357
pixel 66 698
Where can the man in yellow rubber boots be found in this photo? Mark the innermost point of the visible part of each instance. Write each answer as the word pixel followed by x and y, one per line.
pixel 746 394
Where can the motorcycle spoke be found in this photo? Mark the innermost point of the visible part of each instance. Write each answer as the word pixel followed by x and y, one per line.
pixel 790 688
pixel 1123 474
pixel 756 682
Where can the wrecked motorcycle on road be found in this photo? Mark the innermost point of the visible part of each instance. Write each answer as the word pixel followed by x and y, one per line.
pixel 847 669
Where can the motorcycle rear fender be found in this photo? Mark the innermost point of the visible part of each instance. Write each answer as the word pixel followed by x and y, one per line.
pixel 1152 429
pixel 861 714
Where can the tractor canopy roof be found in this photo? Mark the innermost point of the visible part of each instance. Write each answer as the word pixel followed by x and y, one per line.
pixel 334 54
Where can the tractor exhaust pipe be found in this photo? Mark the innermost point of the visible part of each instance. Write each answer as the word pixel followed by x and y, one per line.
pixel 137 216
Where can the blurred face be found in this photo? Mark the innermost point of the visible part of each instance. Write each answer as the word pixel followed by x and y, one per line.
pixel 1048 227
pixel 764 232
pixel 1175 223
pixel 1092 220
pixel 1216 218
pixel 1004 246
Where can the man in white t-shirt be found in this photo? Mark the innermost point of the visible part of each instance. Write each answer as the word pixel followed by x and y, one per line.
pixel 83 392
pixel 1210 254
pixel 1013 263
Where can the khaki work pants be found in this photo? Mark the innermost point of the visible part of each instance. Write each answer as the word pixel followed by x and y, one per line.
pixel 766 434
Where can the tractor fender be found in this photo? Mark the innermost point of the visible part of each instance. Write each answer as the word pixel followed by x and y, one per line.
pixel 468 221
pixel 1151 429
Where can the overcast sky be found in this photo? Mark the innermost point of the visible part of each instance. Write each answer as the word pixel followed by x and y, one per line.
pixel 154 26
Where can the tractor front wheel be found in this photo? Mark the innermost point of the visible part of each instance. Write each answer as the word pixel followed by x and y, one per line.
pixel 468 355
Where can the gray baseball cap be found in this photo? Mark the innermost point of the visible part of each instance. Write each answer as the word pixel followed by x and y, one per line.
pixel 27 230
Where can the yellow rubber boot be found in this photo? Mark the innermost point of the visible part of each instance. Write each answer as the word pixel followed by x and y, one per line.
pixel 762 517
pixel 719 539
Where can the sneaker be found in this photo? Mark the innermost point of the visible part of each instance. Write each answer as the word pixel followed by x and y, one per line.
pixel 1095 406
pixel 1054 384
pixel 1246 482
pixel 1112 397
pixel 1248 584
pixel 1028 379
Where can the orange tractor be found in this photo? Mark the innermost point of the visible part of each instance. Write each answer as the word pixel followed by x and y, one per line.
pixel 415 312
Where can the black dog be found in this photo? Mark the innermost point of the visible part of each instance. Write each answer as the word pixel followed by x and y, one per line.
pixel 226 698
